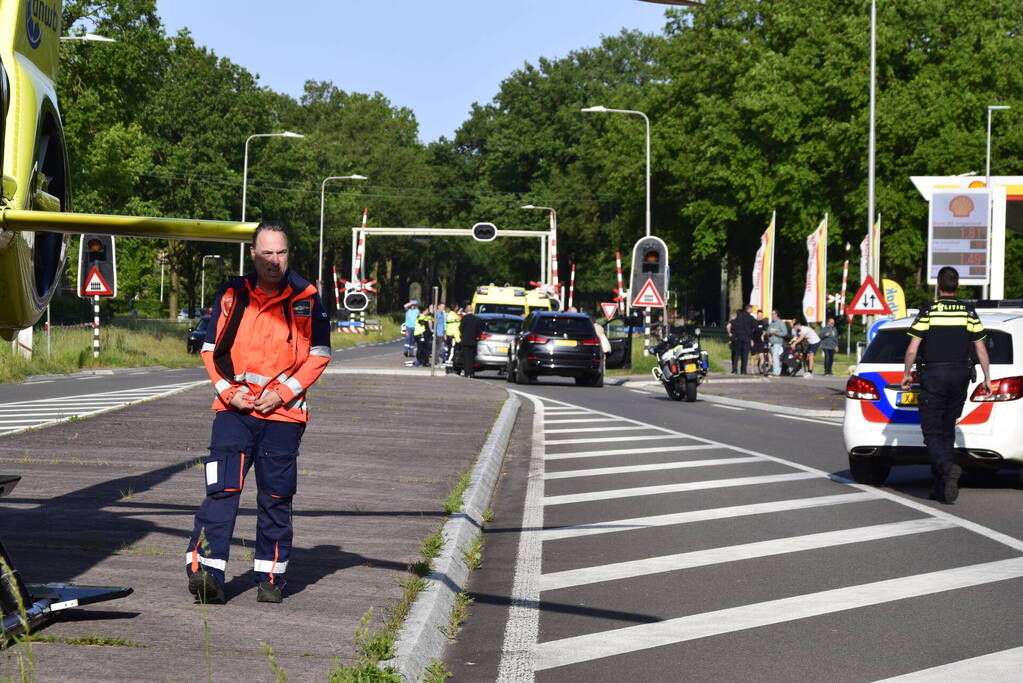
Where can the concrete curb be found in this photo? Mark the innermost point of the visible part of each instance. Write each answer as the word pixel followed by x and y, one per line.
pixel 420 640
pixel 655 387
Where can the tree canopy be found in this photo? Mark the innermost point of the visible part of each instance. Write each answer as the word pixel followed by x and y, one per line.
pixel 755 106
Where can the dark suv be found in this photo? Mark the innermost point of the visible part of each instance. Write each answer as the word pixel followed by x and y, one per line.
pixel 556 343
pixel 197 335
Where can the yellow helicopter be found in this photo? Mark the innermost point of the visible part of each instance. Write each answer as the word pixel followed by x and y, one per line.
pixel 35 209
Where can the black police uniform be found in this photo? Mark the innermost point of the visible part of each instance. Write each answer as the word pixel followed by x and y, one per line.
pixel 948 328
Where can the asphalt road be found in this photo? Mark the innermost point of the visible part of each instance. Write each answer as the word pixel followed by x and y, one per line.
pixel 666 541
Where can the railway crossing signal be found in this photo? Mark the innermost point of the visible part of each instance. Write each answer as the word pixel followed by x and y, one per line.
pixel 97 266
pixel 484 232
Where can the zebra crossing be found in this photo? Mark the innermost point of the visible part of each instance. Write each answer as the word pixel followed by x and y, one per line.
pixel 633 558
pixel 23 415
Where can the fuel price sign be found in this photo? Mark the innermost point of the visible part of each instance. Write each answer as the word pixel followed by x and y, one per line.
pixel 959 236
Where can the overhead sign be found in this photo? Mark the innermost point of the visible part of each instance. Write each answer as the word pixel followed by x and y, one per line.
pixel 97 266
pixel 649 265
pixel 609 308
pixel 868 301
pixel 958 235
pixel 648 297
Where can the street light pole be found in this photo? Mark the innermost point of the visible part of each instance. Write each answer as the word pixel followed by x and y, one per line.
pixel 602 110
pixel 202 285
pixel 987 188
pixel 323 191
pixel 874 267
pixel 245 184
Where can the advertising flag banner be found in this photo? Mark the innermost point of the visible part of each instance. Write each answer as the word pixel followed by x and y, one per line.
pixel 816 271
pixel 864 259
pixel 763 272
pixel 895 297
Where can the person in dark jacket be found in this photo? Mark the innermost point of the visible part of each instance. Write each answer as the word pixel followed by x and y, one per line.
pixel 469 329
pixel 743 329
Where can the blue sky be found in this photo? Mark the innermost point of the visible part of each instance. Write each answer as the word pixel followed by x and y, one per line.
pixel 436 58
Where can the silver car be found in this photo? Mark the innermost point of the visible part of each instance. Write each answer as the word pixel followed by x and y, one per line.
pixel 495 339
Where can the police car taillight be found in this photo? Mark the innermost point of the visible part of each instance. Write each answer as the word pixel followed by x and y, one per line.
pixel 1005 389
pixel 861 389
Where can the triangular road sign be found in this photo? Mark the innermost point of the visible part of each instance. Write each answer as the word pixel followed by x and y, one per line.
pixel 609 309
pixel 648 296
pixel 95 285
pixel 868 301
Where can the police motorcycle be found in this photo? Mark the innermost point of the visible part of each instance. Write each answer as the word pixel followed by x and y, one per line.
pixel 681 365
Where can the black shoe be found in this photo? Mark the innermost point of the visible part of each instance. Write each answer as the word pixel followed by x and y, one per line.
pixel 950 484
pixel 206 589
pixel 268 592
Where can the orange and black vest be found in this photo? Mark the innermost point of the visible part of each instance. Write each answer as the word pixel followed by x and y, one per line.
pixel 260 342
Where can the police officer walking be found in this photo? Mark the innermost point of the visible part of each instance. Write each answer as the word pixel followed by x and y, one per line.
pixel 942 337
pixel 268 341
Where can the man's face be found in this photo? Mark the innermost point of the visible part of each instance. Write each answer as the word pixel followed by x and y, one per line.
pixel 270 254
pixel 774 315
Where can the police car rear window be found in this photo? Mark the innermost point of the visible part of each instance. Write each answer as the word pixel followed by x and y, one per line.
pixel 506 309
pixel 570 327
pixel 889 346
pixel 502 326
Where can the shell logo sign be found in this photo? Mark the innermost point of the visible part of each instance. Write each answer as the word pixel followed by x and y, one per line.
pixel 961 206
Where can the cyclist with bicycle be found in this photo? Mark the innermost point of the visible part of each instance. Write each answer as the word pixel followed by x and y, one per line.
pixel 806 340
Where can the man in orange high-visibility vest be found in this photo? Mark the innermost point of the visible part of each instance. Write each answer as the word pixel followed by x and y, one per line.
pixel 267 342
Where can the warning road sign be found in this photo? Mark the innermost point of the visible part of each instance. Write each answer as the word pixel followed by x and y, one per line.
pixel 95 285
pixel 610 309
pixel 868 301
pixel 648 296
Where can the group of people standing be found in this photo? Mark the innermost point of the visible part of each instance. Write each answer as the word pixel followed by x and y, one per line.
pixel 767 340
pixel 456 329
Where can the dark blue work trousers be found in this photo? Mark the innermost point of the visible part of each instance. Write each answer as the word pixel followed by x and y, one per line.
pixel 942 396
pixel 240 441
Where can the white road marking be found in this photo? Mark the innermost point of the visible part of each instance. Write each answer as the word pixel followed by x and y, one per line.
pixel 722 405
pixel 571 474
pixel 15 417
pixel 520 633
pixel 584 419
pixel 638 391
pixel 674 488
pixel 672 631
pixel 630 451
pixel 703 515
pixel 605 439
pixel 998 667
pixel 808 419
pixel 565 411
pixel 629 428
pixel 734 553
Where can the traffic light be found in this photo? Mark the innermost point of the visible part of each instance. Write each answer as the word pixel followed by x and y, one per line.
pixel 356 301
pixel 484 232
pixel 649 265
pixel 97 266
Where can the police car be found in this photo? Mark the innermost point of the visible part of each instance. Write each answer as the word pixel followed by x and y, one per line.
pixel 881 427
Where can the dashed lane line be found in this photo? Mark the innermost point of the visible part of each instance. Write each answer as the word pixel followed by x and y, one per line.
pixel 808 419
pixel 616 525
pixel 746 551
pixel 656 467
pixel 675 488
pixel 580 420
pixel 593 646
pixel 726 407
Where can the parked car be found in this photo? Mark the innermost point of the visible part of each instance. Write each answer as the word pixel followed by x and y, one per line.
pixel 556 343
pixel 197 335
pixel 492 345
pixel 881 428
